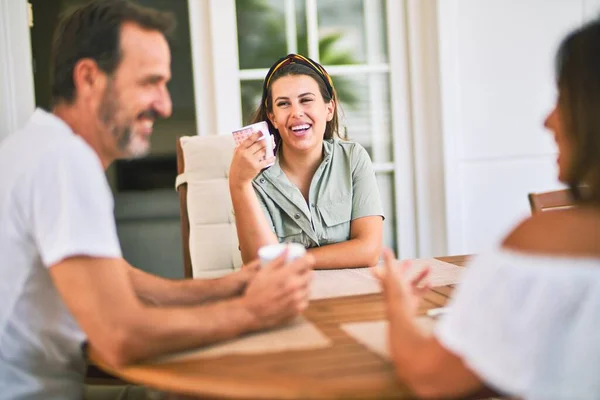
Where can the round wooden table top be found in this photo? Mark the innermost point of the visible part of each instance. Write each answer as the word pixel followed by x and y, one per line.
pixel 346 369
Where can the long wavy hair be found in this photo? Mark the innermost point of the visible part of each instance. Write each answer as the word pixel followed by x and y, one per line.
pixel 578 81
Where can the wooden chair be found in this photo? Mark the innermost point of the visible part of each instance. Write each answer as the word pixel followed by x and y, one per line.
pixel 185 222
pixel 209 235
pixel 547 201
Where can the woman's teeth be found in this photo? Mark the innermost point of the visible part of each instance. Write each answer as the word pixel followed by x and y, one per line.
pixel 300 128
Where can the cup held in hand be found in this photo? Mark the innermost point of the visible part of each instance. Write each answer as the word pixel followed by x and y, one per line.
pixel 268 253
pixel 241 134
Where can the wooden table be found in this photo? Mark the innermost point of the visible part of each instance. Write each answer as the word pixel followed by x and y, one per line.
pixel 344 370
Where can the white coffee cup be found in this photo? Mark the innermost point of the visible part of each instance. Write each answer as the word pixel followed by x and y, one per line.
pixel 268 253
pixel 262 127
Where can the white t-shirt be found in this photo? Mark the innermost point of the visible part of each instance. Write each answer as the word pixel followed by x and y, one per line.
pixel 529 325
pixel 55 203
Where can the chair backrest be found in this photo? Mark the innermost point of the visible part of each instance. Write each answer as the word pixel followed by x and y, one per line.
pixel 209 236
pixel 547 201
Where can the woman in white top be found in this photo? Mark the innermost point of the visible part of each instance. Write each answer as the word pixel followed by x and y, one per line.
pixel 525 321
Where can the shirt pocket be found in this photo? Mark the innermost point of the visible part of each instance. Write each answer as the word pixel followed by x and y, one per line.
pixel 336 221
pixel 288 231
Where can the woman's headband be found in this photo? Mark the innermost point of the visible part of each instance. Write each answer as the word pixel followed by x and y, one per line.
pixel 299 59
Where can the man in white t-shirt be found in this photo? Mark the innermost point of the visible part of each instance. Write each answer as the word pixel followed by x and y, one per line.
pixel 63 281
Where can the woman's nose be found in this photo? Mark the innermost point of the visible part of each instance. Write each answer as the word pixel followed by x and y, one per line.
pixel 297 111
pixel 549 121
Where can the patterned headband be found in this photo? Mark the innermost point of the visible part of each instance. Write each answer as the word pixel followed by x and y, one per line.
pixel 299 59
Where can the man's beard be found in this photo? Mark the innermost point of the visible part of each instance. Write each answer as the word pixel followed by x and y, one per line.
pixel 129 143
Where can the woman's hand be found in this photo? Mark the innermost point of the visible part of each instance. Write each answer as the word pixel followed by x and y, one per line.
pixel 248 160
pixel 401 292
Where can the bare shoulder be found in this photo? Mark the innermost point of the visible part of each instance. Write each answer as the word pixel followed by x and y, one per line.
pixel 566 232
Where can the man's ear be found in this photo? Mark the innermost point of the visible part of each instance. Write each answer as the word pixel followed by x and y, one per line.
pixel 88 78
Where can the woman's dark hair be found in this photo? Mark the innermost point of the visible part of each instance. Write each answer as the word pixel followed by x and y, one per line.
pixel 578 81
pixel 266 105
pixel 93 31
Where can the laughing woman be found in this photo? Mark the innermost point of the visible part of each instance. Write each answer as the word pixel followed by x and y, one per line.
pixel 320 192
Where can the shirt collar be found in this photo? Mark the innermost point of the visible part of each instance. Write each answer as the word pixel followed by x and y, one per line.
pixel 275 170
pixel 46 119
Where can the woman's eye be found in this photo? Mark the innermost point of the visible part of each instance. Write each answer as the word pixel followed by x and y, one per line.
pixel 281 104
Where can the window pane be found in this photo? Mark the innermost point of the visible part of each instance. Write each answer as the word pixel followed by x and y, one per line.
pixel 385 182
pixel 261 32
pixel 301 33
pixel 251 95
pixel 347 28
pixel 365 116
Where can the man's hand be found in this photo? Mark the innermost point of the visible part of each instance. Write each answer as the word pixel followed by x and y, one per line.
pixel 251 268
pixel 279 292
pixel 245 275
pixel 400 291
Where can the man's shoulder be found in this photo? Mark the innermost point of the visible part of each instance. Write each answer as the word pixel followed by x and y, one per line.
pixel 35 155
pixel 42 134
pixel 564 232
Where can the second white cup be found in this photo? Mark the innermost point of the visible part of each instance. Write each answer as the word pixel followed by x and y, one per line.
pixel 268 253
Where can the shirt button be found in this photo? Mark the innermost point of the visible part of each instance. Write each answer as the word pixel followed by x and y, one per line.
pixel 262 180
pixel 297 216
pixel 312 204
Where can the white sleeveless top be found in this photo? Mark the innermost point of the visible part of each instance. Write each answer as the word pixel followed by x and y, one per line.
pixel 529 325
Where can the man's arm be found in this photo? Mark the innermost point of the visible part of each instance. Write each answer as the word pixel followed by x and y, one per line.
pixel 160 291
pixel 122 329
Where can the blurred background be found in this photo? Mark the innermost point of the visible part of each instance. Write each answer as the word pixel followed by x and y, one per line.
pixel 447 96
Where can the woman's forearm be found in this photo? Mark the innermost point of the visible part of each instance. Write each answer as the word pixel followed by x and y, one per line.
pixel 252 227
pixel 353 253
pixel 423 363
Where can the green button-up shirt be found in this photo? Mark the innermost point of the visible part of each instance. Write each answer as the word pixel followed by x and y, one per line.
pixel 343 188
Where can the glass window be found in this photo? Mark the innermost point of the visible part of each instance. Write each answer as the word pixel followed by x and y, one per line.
pixel 365 112
pixel 251 96
pixel 261 32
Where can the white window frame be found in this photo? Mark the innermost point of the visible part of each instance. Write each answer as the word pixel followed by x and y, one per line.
pixel 17 98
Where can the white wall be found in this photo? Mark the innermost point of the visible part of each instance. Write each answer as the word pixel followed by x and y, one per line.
pixel 497 82
pixel 16 77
